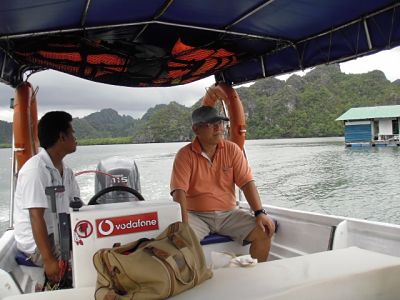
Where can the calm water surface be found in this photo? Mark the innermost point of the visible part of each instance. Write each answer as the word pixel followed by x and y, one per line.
pixel 316 174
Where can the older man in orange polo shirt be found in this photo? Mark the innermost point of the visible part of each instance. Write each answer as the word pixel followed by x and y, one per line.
pixel 203 181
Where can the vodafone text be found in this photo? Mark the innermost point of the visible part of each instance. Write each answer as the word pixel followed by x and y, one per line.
pixel 136 224
pixel 127 224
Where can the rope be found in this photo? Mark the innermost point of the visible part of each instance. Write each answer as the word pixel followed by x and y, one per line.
pixel 93 171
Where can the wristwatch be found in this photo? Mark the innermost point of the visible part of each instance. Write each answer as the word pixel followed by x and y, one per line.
pixel 260 211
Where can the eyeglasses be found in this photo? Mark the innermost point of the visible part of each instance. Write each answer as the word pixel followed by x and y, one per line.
pixel 214 125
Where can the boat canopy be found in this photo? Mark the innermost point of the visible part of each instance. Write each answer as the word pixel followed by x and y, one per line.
pixel 146 43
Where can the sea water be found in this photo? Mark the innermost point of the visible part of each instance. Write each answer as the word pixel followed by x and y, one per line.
pixel 313 174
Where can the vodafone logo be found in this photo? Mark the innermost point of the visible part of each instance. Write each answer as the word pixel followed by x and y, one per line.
pixel 127 224
pixel 105 227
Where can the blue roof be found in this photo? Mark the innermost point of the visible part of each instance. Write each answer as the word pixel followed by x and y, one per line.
pixel 172 42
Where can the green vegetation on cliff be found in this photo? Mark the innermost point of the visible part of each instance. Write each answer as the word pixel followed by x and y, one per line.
pixel 308 106
pixel 164 123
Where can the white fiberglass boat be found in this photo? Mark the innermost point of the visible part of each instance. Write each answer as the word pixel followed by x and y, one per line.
pixel 166 43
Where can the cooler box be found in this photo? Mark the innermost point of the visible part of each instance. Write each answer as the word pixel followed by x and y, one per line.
pixel 101 226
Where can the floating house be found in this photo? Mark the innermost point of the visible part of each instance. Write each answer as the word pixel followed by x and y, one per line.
pixel 372 126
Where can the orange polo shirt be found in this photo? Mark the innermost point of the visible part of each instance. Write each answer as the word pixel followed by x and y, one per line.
pixel 210 186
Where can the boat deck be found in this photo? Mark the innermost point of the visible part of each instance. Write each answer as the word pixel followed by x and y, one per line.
pixel 350 273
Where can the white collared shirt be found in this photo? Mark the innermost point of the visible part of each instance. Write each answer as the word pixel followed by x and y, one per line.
pixel 33 178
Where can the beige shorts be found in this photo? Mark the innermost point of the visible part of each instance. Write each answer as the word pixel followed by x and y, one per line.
pixel 236 223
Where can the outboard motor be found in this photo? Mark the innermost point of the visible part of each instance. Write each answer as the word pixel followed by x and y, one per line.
pixel 117 171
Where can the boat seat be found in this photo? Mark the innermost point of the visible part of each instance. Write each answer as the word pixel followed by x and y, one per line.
pixel 215 238
pixel 23 260
pixel 222 243
pixel 350 273
pixel 28 273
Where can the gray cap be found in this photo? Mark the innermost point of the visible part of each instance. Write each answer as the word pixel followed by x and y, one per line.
pixel 206 114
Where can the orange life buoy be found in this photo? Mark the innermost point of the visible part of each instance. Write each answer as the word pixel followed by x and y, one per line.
pixel 222 91
pixel 25 121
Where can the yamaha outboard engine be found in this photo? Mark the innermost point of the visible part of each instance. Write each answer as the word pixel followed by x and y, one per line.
pixel 115 171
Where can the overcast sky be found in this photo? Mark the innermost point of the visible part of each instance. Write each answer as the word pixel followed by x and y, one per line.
pixel 58 91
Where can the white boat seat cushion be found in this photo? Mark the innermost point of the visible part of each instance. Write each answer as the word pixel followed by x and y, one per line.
pixel 349 273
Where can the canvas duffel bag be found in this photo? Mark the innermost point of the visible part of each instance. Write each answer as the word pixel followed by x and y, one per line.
pixel 152 268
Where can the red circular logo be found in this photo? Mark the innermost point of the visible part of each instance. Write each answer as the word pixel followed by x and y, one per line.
pixel 83 229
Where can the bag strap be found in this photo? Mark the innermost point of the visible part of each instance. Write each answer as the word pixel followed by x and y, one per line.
pixel 170 260
pixel 173 228
pixel 178 242
pixel 131 247
pixel 182 245
pixel 175 238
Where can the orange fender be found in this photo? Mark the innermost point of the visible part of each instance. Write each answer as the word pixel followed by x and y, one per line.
pixel 222 91
pixel 25 124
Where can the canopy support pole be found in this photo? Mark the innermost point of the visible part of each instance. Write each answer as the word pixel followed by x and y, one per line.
pixel 391 28
pixel 84 15
pixel 4 65
pixel 12 188
pixel 367 34
pixel 262 66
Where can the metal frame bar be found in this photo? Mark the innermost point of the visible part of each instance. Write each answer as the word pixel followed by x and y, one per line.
pixel 358 38
pixel 248 14
pixel 255 36
pixel 394 6
pixel 84 15
pixel 367 34
pixel 157 16
pixel 339 60
pixel 262 66
pixel 262 37
pixel 249 35
pixel 351 23
pixel 4 65
pixel 391 29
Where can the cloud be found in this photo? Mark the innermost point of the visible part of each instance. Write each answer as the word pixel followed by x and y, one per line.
pixel 387 61
pixel 58 91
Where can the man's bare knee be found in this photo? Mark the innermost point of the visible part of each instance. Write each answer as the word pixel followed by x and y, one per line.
pixel 257 234
pixel 260 244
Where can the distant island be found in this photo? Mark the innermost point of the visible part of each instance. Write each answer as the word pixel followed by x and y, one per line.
pixel 298 107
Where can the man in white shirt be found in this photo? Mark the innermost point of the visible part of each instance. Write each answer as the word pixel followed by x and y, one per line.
pixel 34 228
